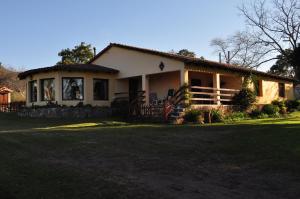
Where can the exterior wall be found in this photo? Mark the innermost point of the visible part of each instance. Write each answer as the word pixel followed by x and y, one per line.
pixel 131 63
pixel 231 82
pixel 161 83
pixel 206 78
pixel 87 90
pixel 121 85
pixel 271 91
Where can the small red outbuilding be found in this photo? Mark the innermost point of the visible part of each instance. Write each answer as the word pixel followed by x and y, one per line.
pixel 5 95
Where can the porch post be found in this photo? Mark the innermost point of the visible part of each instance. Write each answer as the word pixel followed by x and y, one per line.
pixel 145 87
pixel 184 77
pixel 216 85
pixel 9 97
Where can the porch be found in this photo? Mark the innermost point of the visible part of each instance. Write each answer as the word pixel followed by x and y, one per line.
pixel 205 88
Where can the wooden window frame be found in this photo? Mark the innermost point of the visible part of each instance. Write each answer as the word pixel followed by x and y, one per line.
pixel 281 93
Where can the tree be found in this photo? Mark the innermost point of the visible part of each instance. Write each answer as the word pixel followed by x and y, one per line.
pixel 244 50
pixel 283 65
pixel 276 25
pixel 187 53
pixel 80 54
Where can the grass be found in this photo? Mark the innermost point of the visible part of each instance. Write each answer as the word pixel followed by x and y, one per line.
pixel 48 158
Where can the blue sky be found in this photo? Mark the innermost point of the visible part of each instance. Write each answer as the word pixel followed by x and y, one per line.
pixel 32 32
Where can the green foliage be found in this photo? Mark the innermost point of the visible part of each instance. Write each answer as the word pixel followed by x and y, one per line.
pixel 244 99
pixel 283 65
pixel 281 105
pixel 292 105
pixel 263 116
pixel 288 64
pixel 192 115
pixel 278 103
pixel 187 53
pixel 255 113
pixel 270 109
pixel 216 116
pixel 236 116
pixel 80 54
pixel 296 62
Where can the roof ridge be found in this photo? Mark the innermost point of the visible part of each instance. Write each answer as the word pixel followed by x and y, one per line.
pixel 190 60
pixel 154 50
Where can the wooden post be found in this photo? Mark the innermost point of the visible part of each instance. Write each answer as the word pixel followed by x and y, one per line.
pixel 145 87
pixel 216 85
pixel 184 77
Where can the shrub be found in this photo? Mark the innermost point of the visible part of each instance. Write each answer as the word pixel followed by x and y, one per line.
pixel 281 105
pixel 79 104
pixel 236 116
pixel 192 116
pixel 278 103
pixel 263 116
pixel 292 105
pixel 270 109
pixel 216 116
pixel 244 99
pixel 255 113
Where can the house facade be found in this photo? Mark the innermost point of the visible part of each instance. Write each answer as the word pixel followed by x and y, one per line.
pixel 121 71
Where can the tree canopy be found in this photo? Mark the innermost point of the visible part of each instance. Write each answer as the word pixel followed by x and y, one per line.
pixel 186 52
pixel 244 50
pixel 283 65
pixel 80 54
pixel 272 32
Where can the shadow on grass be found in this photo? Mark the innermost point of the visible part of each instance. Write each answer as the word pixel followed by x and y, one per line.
pixel 10 123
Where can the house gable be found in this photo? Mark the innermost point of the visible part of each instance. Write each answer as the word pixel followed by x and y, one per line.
pixel 130 62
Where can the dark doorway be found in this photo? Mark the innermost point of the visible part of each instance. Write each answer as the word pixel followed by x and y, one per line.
pixel 134 87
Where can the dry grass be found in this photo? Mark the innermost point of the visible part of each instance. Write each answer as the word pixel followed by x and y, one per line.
pixel 96 159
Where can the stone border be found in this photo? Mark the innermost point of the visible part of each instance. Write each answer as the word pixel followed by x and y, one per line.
pixel 66 112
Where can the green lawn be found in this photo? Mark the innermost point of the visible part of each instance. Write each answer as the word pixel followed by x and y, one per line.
pixel 48 159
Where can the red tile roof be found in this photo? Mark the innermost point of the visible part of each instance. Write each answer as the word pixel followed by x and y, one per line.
pixel 72 67
pixel 189 61
pixel 5 90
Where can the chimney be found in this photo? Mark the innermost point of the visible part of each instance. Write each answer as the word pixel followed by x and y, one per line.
pixel 94 51
pixel 220 58
pixel 228 58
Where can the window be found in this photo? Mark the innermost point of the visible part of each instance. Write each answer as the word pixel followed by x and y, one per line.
pixel 33 91
pixel 100 89
pixel 258 88
pixel 281 87
pixel 72 88
pixel 47 90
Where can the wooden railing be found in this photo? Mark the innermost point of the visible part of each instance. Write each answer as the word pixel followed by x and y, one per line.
pixel 12 107
pixel 209 95
pixel 178 98
pixel 135 105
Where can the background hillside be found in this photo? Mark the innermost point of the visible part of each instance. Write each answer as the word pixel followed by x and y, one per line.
pixel 9 78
